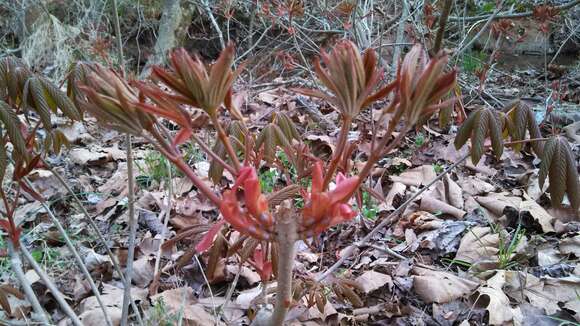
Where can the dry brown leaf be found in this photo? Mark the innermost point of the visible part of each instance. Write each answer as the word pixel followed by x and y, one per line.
pixel 435 206
pixel 397 190
pixel 479 243
pixel 496 303
pixel 420 175
pixel 437 286
pixel 496 202
pixel 475 186
pixel 85 156
pixel 370 281
pixel 570 246
pixel 142 271
pixel 538 213
pixel 182 301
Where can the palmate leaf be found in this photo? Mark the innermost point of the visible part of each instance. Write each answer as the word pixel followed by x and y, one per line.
pixel 12 125
pixel 521 118
pixel 479 125
pixel 558 164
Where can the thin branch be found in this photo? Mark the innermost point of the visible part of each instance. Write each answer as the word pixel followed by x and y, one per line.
pixel 345 254
pixel 483 29
pixel 131 189
pixel 16 265
pixel 207 9
pixel 565 6
pixel 51 286
pixel 74 252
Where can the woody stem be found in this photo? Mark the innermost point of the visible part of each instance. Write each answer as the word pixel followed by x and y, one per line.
pixel 286 237
pixel 342 137
pixel 226 141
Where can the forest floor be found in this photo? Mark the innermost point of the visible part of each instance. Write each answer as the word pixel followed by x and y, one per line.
pixel 483 245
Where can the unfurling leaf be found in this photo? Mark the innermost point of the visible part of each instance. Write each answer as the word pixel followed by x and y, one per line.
pixel 558 164
pixel 197 86
pixel 521 118
pixel 479 125
pixel 350 77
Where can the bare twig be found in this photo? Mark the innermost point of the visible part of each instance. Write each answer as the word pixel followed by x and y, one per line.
pixel 131 189
pixel 389 219
pixel 51 286
pixel 441 31
pixel 207 9
pixel 483 29
pixel 565 6
pixel 16 265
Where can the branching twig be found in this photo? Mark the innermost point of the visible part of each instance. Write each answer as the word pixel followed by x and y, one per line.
pixel 474 38
pixel 350 249
pixel 51 286
pixel 565 6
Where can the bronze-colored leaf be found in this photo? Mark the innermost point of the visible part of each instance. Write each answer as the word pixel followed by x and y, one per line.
pixel 479 125
pixel 12 125
pixel 559 165
pixel 521 118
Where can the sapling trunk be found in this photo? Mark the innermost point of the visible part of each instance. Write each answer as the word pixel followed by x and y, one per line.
pixel 286 238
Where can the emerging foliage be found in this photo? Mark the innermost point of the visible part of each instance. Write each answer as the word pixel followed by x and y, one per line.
pixel 350 77
pixel 558 163
pixel 521 118
pixel 479 125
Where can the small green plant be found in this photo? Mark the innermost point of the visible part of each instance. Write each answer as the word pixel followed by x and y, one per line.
pixel 154 169
pixel 438 168
pixel 159 315
pixel 268 179
pixel 419 139
pixel 508 244
pixel 474 61
pixel 369 210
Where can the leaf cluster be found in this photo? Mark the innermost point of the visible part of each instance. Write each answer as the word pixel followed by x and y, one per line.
pixel 23 92
pixel 517 120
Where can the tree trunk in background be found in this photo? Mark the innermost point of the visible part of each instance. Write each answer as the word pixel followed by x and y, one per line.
pixel 172 29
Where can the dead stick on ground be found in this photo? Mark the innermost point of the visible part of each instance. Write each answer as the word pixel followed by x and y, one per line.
pixel 389 219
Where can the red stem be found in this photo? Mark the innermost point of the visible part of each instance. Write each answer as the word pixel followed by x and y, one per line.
pixel 339 151
pixel 226 141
